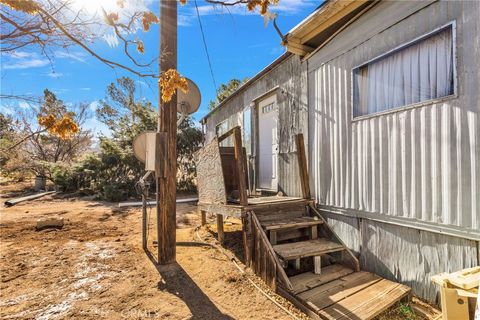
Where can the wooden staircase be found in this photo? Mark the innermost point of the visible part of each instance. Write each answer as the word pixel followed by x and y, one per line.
pixel 295 251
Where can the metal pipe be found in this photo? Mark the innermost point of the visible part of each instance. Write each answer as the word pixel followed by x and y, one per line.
pixel 152 203
pixel 14 201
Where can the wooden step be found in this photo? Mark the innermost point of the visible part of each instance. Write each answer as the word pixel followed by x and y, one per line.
pixel 291 223
pixel 366 303
pixel 324 296
pixel 309 248
pixel 308 280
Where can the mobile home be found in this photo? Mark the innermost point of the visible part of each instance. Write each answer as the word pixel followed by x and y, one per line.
pixel 387 96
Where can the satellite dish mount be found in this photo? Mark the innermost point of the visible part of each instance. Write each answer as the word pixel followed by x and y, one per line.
pixel 188 103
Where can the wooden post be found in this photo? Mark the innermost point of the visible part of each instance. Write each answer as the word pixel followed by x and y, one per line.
pixel 273 237
pixel 221 235
pixel 302 165
pixel 204 217
pixel 317 260
pixel 317 264
pixel 247 238
pixel 296 264
pixel 167 122
pixel 240 160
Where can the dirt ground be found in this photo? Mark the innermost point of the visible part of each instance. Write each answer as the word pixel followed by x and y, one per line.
pixel 94 267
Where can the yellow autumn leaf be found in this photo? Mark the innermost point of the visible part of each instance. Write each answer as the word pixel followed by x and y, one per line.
pixel 27 6
pixel 169 82
pixel 147 19
pixel 62 128
pixel 140 46
pixel 252 4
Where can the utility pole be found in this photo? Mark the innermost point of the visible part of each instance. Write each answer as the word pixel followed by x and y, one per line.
pixel 167 122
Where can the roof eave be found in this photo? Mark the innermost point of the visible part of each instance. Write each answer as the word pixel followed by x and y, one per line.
pixel 325 16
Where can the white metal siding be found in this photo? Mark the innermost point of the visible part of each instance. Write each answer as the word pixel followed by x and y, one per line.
pixel 420 164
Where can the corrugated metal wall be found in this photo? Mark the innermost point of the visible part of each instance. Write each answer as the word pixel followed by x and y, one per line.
pixel 421 164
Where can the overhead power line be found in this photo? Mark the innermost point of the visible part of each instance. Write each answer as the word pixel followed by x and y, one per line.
pixel 205 46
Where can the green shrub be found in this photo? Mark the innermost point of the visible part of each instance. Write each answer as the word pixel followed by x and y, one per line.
pixel 65 177
pixel 115 192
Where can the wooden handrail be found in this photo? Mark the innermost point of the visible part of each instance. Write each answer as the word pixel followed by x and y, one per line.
pixel 271 255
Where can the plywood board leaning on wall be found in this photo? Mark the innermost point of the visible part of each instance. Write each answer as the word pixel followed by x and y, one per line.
pixel 211 185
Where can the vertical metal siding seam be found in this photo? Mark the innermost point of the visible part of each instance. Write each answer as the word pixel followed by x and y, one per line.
pixel 460 192
pixel 434 164
pixel 336 113
pixel 446 166
pixel 331 135
pixel 403 162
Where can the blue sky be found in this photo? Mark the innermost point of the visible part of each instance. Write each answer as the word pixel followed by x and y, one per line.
pixel 238 43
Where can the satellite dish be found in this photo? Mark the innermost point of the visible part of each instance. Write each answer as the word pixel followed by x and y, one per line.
pixel 189 102
pixel 140 146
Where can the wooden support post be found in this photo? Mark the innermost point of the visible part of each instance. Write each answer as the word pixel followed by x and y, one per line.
pixel 314 233
pixel 247 238
pixel 167 122
pixel 221 235
pixel 204 217
pixel 240 161
pixel 273 237
pixel 317 260
pixel 297 264
pixel 317 264
pixel 302 165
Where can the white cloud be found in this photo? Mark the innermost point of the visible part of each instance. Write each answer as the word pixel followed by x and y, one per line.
pixel 59 91
pixel 184 21
pixel 75 55
pixel 289 7
pixel 19 54
pixel 23 60
pixel 98 128
pixel 94 105
pixel 54 74
pixel 24 105
pixel 25 63
pixel 85 89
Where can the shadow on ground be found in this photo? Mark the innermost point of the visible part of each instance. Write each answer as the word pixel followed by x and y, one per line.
pixel 176 281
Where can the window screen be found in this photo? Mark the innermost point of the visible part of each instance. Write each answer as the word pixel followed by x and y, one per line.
pixel 418 72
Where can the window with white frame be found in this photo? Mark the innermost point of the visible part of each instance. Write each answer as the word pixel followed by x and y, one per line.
pixel 417 72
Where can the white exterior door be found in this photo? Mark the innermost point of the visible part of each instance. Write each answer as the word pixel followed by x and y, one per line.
pixel 268 144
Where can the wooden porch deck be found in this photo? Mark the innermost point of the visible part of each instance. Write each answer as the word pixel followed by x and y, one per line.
pixel 235 209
